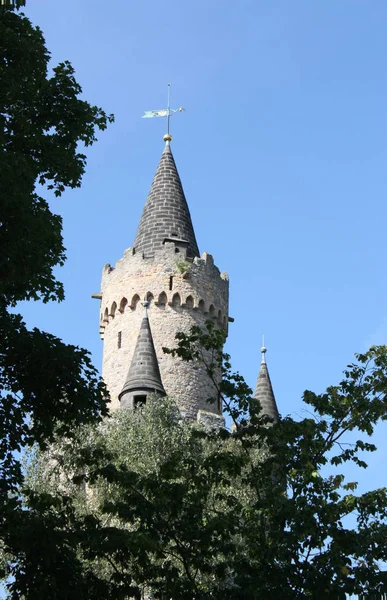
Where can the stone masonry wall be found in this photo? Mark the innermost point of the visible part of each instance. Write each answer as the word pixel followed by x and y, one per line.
pixel 183 293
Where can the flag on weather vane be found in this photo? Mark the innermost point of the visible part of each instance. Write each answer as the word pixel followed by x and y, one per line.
pixel 148 114
pixel 164 112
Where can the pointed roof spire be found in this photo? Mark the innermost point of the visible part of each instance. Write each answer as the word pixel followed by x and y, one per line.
pixel 264 390
pixel 144 373
pixel 166 213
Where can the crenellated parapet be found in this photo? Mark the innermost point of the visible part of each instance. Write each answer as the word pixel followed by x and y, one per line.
pixel 169 279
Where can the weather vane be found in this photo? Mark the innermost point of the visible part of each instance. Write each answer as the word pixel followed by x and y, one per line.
pixel 164 112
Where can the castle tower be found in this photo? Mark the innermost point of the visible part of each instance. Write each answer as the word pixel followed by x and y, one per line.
pixel 183 289
pixel 264 390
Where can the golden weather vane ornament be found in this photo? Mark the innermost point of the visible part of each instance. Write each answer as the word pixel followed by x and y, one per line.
pixel 164 112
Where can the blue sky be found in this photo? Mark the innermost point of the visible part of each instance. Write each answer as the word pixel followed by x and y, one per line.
pixel 282 154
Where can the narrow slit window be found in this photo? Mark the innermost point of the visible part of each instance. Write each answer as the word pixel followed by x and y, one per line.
pixel 171 282
pixel 119 339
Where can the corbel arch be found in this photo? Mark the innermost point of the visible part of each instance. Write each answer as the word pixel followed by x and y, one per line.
pixel 135 301
pixel 162 300
pixel 123 305
pixel 113 309
pixel 176 300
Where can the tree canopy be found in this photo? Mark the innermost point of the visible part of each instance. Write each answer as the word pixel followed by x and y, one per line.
pixel 260 510
pixel 47 387
pixel 12 4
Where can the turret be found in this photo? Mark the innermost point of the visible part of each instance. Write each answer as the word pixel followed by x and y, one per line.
pixel 144 374
pixel 264 390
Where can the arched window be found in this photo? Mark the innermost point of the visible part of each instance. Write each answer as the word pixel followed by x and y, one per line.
pixel 162 301
pixel 220 318
pixel 106 316
pixel 149 297
pixel 135 301
pixel 212 311
pixel 202 305
pixel 189 302
pixel 176 301
pixel 113 310
pixel 123 304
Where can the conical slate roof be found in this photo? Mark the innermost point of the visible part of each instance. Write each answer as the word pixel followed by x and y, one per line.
pixel 166 213
pixel 144 372
pixel 264 391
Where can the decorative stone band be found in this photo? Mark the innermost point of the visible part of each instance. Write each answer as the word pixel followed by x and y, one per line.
pixel 163 299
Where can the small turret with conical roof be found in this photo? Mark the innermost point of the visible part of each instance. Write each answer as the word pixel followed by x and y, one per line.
pixel 144 374
pixel 264 390
pixel 183 289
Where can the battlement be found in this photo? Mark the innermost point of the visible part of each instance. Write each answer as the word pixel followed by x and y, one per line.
pixel 167 279
pixel 172 254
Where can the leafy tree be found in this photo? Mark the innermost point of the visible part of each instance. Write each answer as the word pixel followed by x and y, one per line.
pixel 12 4
pixel 162 504
pixel 258 511
pixel 48 388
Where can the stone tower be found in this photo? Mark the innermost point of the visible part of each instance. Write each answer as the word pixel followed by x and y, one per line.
pixel 183 288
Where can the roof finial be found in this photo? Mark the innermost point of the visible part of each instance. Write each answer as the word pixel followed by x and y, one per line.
pixel 168 137
pixel 165 112
pixel 263 350
pixel 145 304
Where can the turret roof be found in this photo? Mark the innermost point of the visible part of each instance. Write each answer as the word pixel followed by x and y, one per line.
pixel 144 372
pixel 166 213
pixel 264 390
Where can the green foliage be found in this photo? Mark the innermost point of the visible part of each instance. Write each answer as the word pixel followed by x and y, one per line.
pixel 47 388
pixel 163 492
pixel 258 511
pixel 182 266
pixel 42 122
pixel 12 4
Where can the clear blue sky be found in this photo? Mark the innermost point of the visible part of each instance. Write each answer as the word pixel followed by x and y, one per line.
pixel 282 153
